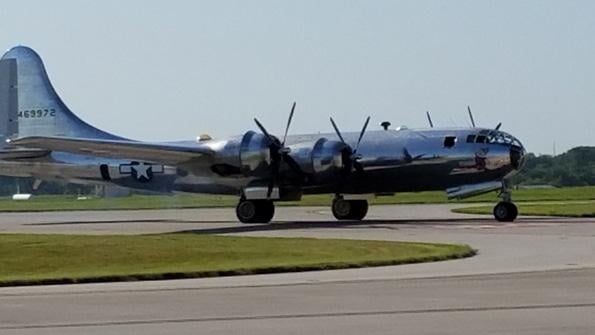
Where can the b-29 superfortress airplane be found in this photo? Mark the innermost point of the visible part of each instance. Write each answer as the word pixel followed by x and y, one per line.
pixel 45 140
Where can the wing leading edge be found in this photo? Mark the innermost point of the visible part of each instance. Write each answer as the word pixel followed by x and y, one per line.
pixel 164 153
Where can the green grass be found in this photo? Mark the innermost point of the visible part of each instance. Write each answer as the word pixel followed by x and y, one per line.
pixel 55 203
pixel 570 209
pixel 27 259
pixel 68 202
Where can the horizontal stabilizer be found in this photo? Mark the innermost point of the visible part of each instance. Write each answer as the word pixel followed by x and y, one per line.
pixel 164 153
pixel 22 153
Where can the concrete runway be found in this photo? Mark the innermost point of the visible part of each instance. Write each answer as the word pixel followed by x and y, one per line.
pixel 536 276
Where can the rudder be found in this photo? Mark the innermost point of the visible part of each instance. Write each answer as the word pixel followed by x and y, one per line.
pixel 8 100
pixel 29 105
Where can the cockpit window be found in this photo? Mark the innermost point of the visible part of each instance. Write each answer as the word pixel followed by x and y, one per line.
pixel 493 137
pixel 450 141
pixel 500 137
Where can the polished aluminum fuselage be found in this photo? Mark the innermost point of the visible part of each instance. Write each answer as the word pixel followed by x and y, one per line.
pixel 392 161
pixel 461 161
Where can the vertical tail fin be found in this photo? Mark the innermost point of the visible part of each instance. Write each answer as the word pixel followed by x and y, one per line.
pixel 29 105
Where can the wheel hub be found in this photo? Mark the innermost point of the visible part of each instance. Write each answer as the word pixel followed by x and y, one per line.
pixel 247 209
pixel 342 207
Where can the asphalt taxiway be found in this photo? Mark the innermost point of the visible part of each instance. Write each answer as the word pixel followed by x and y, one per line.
pixel 534 276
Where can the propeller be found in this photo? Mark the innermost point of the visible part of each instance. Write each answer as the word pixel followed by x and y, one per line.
pixel 430 119
pixel 354 156
pixel 471 116
pixel 473 121
pixel 408 158
pixel 279 152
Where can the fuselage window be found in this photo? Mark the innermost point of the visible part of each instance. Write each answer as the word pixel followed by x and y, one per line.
pixel 481 139
pixel 450 141
pixel 471 138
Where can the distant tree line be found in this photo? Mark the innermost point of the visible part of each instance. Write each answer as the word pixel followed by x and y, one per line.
pixel 575 167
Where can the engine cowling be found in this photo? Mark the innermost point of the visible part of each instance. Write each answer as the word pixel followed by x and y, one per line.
pixel 255 154
pixel 323 159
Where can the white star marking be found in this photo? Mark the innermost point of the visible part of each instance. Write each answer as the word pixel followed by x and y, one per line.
pixel 142 170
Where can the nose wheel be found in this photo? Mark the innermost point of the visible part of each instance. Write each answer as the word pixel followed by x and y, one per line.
pixel 505 211
pixel 349 209
pixel 255 211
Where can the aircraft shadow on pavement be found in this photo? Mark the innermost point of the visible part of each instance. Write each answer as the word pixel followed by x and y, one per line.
pixel 57 223
pixel 236 227
pixel 366 224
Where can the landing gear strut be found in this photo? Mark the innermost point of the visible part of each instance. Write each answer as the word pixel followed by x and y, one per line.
pixel 255 211
pixel 349 209
pixel 505 210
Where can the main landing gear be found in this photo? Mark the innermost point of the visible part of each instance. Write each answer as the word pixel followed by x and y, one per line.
pixel 349 209
pixel 255 211
pixel 505 210
pixel 262 211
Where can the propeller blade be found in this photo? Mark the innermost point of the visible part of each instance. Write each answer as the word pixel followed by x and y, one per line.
pixel 361 135
pixel 288 124
pixel 498 126
pixel 280 153
pixel 358 166
pixel 337 131
pixel 429 119
pixel 264 131
pixel 407 156
pixel 274 177
pixel 293 165
pixel 471 116
pixel 271 187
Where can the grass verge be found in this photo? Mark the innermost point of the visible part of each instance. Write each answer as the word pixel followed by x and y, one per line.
pixel 28 259
pixel 61 203
pixel 582 209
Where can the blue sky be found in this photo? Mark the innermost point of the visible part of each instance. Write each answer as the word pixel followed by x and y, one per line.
pixel 157 70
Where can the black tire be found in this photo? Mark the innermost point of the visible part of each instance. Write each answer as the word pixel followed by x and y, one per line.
pixel 505 212
pixel 341 209
pixel 359 210
pixel 266 212
pixel 255 211
pixel 514 211
pixel 246 211
pixel 349 209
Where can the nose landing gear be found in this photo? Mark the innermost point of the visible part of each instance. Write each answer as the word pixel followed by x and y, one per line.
pixel 505 210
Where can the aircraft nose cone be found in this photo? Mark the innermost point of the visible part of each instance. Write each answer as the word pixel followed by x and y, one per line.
pixel 517 156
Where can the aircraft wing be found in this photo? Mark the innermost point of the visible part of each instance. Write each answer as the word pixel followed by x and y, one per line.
pixel 164 153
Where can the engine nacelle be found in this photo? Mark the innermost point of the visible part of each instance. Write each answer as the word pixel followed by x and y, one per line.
pixel 255 154
pixel 323 159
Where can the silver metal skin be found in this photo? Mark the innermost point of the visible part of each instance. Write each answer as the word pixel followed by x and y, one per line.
pixel 47 141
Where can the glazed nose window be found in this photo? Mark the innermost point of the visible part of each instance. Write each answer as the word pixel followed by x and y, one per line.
pixel 450 141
